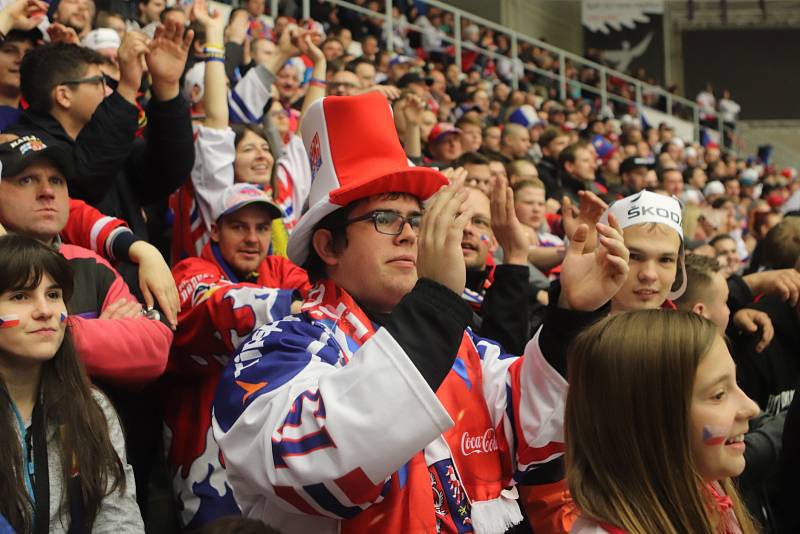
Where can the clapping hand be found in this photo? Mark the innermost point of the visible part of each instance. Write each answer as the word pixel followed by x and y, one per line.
pixel 589 280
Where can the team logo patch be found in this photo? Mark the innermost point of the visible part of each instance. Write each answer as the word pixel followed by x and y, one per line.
pixel 315 156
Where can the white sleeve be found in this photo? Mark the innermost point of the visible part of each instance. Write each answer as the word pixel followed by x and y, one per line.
pixel 315 437
pixel 213 167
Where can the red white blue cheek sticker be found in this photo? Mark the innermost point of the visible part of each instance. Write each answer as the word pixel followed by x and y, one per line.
pixel 7 321
pixel 484 237
pixel 714 435
pixel 63 317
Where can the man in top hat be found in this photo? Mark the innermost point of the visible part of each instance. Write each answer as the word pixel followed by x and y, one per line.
pixel 375 409
pixel 234 287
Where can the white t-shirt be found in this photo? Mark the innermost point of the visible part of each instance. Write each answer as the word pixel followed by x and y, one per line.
pixel 729 109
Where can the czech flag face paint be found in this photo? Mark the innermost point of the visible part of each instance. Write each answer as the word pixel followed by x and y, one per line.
pixel 714 435
pixel 9 320
pixel 63 317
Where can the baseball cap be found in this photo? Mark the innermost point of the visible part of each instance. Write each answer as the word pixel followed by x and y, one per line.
pixel 630 163
pixel 16 155
pixel 237 196
pixel 101 39
pixel 604 148
pixel 714 187
pixel 440 130
pixel 748 177
pixel 400 60
pixel 409 78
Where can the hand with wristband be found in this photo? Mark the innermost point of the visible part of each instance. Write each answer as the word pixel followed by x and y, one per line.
pixel 214 47
pixel 215 95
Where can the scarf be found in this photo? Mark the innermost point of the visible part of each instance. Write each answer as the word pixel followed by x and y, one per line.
pixel 468 465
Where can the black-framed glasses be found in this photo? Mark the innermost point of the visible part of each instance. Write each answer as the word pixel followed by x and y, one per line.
pixel 99 78
pixel 389 222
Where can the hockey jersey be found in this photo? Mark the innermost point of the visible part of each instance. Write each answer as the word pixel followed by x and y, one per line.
pixel 326 426
pixel 218 310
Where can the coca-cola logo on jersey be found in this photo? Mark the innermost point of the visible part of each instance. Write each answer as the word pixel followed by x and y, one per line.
pixel 478 444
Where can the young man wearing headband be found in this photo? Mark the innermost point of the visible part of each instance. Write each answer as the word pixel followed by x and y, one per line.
pixel 375 409
pixel 651 226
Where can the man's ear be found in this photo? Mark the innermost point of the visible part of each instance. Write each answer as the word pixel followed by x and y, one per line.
pixel 215 230
pixel 322 241
pixel 62 97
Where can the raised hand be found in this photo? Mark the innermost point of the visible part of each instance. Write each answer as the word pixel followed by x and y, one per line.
pixel 236 32
pixel 509 232
pixel 455 175
pixel 22 15
pixel 589 280
pixel 167 58
pixel 129 55
pixel 439 255
pixel 412 109
pixel 59 33
pixel 589 212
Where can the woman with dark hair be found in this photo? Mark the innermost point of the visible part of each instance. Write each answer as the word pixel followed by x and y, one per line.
pixel 655 426
pixel 62 452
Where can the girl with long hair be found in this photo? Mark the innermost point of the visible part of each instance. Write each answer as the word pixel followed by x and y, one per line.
pixel 655 424
pixel 62 452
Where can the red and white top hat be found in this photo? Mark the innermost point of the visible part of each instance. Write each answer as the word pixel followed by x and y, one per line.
pixel 354 153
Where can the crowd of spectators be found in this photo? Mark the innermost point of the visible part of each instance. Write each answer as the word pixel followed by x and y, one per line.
pixel 201 175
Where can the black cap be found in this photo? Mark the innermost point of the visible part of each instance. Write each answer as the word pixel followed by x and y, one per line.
pixel 630 163
pixel 16 155
pixel 409 78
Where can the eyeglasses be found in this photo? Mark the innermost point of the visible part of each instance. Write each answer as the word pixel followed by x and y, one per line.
pixel 389 222
pixel 99 78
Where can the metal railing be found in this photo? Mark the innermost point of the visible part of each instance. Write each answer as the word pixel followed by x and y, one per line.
pixel 672 105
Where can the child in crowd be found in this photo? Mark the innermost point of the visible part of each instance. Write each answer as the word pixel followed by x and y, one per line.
pixel 655 426
pixel 62 451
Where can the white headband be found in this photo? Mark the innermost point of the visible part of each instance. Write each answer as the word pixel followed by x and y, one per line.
pixel 648 207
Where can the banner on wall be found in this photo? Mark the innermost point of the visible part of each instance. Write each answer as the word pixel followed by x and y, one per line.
pixel 629 32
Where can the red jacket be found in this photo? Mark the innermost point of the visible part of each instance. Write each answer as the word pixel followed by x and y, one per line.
pixel 89 228
pixel 217 312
